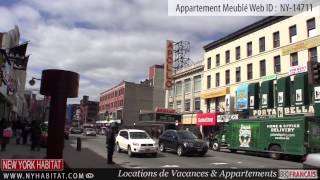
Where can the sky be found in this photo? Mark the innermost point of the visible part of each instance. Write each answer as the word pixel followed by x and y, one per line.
pixel 106 41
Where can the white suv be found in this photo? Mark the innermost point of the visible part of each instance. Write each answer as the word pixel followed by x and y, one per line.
pixel 135 141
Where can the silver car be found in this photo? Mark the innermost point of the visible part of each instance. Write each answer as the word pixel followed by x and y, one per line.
pixel 89 132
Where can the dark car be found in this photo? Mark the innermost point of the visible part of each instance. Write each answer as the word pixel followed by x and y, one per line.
pixel 183 142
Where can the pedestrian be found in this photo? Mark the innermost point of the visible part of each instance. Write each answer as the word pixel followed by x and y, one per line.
pixel 6 132
pixel 35 135
pixel 19 127
pixel 111 141
pixel 25 132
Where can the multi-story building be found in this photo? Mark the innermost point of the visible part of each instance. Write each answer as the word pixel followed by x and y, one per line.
pixel 88 111
pixel 184 96
pixel 265 50
pixel 72 115
pixel 124 101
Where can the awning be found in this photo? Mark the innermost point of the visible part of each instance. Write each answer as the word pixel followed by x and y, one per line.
pixel 215 93
pixel 207 119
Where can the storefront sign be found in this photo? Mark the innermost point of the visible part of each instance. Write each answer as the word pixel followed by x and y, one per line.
pixel 242 97
pixel 300 46
pixel 164 110
pixel 297 69
pixel 168 65
pixel 227 117
pixel 207 119
pixel 215 93
pixel 269 77
pixel 283 111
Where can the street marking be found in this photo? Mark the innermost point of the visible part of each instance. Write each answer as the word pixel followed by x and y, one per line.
pixel 170 166
pixel 233 167
pixel 219 163
pixel 239 162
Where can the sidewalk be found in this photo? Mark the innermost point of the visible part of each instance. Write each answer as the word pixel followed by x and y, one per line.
pixel 73 158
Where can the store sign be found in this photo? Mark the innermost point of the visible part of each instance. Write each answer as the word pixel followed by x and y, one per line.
pixel 283 111
pixel 207 119
pixel 300 46
pixel 215 93
pixel 164 110
pixel 242 97
pixel 168 66
pixel 269 77
pixel 227 117
pixel 297 69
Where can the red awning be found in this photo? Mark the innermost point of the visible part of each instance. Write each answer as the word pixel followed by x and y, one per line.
pixel 207 119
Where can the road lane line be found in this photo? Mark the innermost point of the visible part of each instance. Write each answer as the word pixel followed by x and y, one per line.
pixel 170 166
pixel 219 163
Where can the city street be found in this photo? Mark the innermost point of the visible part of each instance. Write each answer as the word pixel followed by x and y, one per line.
pixel 169 159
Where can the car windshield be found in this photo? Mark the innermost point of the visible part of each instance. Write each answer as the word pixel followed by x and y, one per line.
pixel 186 135
pixel 139 135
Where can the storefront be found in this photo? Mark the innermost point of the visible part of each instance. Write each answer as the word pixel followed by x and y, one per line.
pixel 207 123
pixel 215 99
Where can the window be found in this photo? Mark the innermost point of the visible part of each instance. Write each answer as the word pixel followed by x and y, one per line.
pixel 187 86
pixel 249 73
pixel 170 92
pixel 276 39
pixel 237 52
pixel 227 77
pixel 227 56
pixel 249 48
pixel 197 103
pixel 209 63
pixel 187 105
pixel 293 34
pixel 217 79
pixel 294 59
pixel 218 60
pixel 262 68
pixel 208 82
pixel 313 54
pixel 277 64
pixel 179 106
pixel 171 105
pixel 262 44
pixel 178 88
pixel 197 83
pixel 311 26
pixel 238 73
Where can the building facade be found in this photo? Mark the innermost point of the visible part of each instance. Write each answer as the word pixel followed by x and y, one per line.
pixel 268 49
pixel 88 111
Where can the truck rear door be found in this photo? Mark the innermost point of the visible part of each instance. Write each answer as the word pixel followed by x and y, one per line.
pixel 313 139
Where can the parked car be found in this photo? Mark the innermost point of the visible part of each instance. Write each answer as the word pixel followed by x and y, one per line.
pixel 136 141
pixel 76 130
pixel 312 161
pixel 183 142
pixel 89 132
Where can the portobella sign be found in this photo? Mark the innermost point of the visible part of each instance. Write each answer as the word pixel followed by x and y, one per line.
pixel 283 111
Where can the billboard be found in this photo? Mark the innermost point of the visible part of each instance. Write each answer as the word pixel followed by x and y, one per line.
pixel 168 66
pixel 242 97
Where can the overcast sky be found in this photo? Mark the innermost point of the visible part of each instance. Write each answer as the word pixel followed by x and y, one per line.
pixel 106 41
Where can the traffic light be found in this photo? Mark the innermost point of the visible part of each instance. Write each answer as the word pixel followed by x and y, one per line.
pixel 313 72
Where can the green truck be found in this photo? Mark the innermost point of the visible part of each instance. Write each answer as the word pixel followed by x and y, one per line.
pixel 296 135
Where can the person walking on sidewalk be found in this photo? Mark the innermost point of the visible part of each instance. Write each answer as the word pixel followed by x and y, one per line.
pixel 6 132
pixel 35 135
pixel 111 141
pixel 19 127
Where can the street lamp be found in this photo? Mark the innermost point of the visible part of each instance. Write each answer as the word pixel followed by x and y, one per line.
pixel 32 81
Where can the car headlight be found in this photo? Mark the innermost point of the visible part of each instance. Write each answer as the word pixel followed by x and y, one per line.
pixel 135 144
pixel 186 144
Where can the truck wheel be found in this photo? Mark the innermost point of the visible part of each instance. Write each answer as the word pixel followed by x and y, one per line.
pixel 215 146
pixel 275 155
pixel 233 150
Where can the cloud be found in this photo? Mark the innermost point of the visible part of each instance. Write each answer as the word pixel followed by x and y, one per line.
pixel 107 41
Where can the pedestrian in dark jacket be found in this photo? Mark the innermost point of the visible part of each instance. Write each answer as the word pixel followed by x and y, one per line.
pixel 111 141
pixel 35 135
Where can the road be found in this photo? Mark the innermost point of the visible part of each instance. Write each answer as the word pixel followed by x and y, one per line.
pixel 212 159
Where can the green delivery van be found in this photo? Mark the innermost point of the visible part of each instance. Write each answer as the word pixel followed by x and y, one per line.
pixel 296 135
